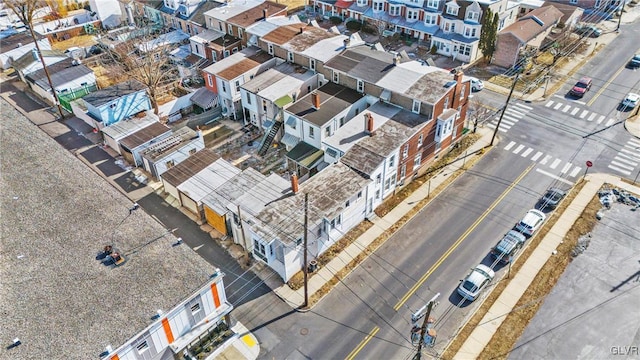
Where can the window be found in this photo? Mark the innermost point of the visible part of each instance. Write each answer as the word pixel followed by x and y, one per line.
pixel 392 161
pixel 312 64
pixel 142 347
pixel 226 53
pixel 298 241
pixel 237 85
pixel 264 105
pixel 259 247
pixel 311 132
pixel 412 14
pixel 378 178
pixel 432 4
pixel 473 16
pixel 224 87
pixel 394 10
pixel 230 29
pixel 341 121
pixel 193 151
pixel 416 107
pixel 234 50
pixel 169 164
pixel 359 195
pixel 248 99
pixel 336 77
pixel 240 33
pixel 377 194
pixel 210 79
pixel 113 105
pixel 417 161
pixel 430 19
pixel 220 26
pixel 270 49
pixel 403 171
pixel 378 6
pixel 387 183
pixel 462 89
pixel 195 308
pixel 464 50
pixel 360 86
pixel 362 2
pixel 290 56
pixel 420 139
pixel 452 10
pixel 573 1
pixel 405 151
pixel 347 204
pixel 327 131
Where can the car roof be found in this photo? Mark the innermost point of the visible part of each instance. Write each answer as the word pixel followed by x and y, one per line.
pixel 585 79
pixel 532 215
pixel 633 96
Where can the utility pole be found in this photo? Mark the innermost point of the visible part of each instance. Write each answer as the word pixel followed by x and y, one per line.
pixel 495 132
pixel 620 17
pixel 305 265
pixel 546 87
pixel 423 329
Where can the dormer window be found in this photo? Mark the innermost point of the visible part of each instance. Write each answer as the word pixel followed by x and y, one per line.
pixel 270 49
pixel 430 19
pixel 416 107
pixel 312 64
pixel 432 4
pixel 378 6
pixel 362 2
pixel 290 56
pixel 473 16
pixel 394 10
pixel 412 14
pixel 452 9
pixel 360 86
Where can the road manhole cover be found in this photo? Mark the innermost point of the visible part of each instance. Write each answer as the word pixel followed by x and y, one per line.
pixel 304 331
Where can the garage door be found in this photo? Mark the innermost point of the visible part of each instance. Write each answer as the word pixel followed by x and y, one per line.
pixel 214 219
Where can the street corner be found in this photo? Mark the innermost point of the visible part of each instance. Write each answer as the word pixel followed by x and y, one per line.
pixel 244 345
pixel 632 125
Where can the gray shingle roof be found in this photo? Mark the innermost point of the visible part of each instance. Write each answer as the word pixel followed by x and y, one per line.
pixel 57 215
pixel 113 92
pixel 60 72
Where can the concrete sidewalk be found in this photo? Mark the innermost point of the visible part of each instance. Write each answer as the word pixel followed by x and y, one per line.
pixel 318 279
pixel 482 334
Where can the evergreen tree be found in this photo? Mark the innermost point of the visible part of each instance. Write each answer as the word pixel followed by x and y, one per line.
pixel 488 34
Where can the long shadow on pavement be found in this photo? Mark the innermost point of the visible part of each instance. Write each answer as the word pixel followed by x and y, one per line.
pixel 240 286
pixel 72 141
pixel 128 182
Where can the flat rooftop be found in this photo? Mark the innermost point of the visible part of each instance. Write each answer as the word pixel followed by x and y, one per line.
pixel 56 297
pixel 328 192
pixel 334 98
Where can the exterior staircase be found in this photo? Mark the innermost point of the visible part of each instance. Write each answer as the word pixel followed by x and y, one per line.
pixel 273 131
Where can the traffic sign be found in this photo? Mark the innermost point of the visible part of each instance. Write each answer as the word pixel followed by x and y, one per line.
pixel 589 164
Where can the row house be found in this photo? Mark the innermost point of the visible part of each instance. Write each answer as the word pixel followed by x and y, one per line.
pixel 439 97
pixel 237 25
pixel 69 77
pixel 314 118
pixel 113 104
pixel 163 155
pixel 336 204
pixel 225 77
pixel 256 31
pixel 270 92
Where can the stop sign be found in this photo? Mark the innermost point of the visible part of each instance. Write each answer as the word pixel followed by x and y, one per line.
pixel 589 163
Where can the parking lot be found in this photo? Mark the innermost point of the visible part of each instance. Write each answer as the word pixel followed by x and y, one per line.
pixel 593 312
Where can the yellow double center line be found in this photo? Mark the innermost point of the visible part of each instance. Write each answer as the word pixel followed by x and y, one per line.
pixel 424 277
pixel 460 239
pixel 602 89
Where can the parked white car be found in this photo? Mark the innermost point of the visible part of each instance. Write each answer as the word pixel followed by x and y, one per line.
pixel 476 84
pixel 477 279
pixel 531 222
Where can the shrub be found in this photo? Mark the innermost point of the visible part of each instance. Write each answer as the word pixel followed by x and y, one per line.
pixel 335 20
pixel 434 50
pixel 354 25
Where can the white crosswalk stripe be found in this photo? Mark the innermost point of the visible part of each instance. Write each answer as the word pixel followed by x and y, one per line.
pixel 592 116
pixel 618 164
pixel 536 156
pixel 626 172
pixel 600 119
pixel 610 122
pixel 566 108
pixel 566 168
pixel 546 159
pixel 509 145
pixel 555 163
pixel 583 114
pixel 518 149
pixel 628 158
pixel 575 111
pixel 558 106
pixel 527 152
pixel 549 103
pixel 576 171
pixel 520 105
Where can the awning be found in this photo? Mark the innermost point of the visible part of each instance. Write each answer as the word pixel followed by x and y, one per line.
pixel 306 155
pixel 386 95
pixel 204 98
pixel 289 140
pixel 267 124
pixel 281 102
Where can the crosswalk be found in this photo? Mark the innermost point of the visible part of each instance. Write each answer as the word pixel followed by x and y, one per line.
pixel 580 113
pixel 627 159
pixel 565 168
pixel 512 115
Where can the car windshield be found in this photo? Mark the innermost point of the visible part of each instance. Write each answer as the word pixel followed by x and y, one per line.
pixel 581 85
pixel 555 196
pixel 469 286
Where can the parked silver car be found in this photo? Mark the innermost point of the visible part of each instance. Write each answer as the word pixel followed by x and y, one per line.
pixel 477 279
pixel 531 222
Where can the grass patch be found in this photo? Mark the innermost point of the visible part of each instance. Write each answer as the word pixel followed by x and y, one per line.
pixel 389 204
pixel 297 280
pixel 515 323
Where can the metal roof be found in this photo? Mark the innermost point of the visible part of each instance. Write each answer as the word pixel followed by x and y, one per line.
pixel 61 73
pixel 207 180
pixel 144 135
pixel 114 92
pixel 189 167
pixel 124 128
pixel 334 98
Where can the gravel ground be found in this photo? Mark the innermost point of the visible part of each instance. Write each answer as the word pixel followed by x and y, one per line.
pixel 56 216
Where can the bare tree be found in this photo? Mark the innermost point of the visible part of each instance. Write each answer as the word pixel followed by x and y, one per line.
pixel 478 112
pixel 144 57
pixel 379 24
pixel 25 10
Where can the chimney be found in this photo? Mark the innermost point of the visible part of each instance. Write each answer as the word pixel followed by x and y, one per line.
pixel 315 99
pixel 368 118
pixel 456 93
pixel 265 13
pixel 294 183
